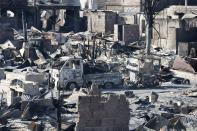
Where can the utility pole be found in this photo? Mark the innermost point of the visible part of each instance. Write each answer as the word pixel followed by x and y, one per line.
pixel 149 9
pixel 93 49
pixel 186 3
pixel 24 25
pixel 59 102
pixel 26 45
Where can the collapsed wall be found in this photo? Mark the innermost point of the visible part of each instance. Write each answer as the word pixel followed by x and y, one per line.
pixel 98 113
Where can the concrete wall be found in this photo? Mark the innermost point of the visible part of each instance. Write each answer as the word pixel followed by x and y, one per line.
pixel 123 2
pixel 131 33
pixel 34 77
pixel 123 5
pixel 126 33
pixel 170 32
pixel 96 22
pixel 126 19
pixel 97 114
pixel 111 19
pixel 183 49
pixel 101 4
pixel 101 21
pixel 171 40
pixel 165 36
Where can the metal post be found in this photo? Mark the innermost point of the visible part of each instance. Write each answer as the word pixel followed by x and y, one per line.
pixel 53 24
pixel 93 49
pixel 59 111
pixel 26 46
pixel 24 25
pixel 186 3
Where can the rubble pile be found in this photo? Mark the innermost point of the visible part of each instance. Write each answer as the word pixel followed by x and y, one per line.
pixel 98 65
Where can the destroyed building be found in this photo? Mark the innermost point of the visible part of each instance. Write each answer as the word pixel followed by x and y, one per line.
pixel 124 5
pixel 102 21
pixel 126 33
pixel 53 14
pixel 166 3
pixel 96 65
pixel 176 25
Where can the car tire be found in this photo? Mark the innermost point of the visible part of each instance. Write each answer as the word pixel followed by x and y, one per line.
pixel 108 85
pixel 72 86
pixel 187 82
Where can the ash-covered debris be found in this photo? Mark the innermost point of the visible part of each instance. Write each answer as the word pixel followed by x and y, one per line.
pixel 90 65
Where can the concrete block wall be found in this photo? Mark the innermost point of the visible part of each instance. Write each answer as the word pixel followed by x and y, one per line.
pixel 167 37
pixel 111 20
pixel 33 77
pixel 99 114
pixel 167 43
pixel 171 40
pixel 183 49
pixel 131 33
pixel 123 5
pixel 126 33
pixel 126 19
pixel 102 21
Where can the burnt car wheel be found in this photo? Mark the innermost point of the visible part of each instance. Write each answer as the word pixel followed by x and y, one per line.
pixel 187 82
pixel 72 86
pixel 108 85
